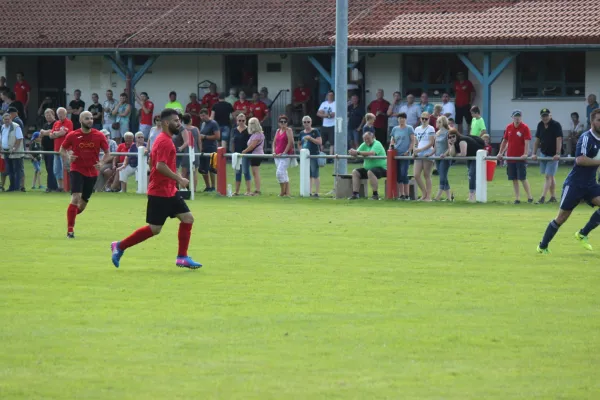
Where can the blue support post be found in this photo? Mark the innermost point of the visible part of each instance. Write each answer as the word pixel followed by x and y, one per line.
pixel 322 71
pixel 116 67
pixel 140 73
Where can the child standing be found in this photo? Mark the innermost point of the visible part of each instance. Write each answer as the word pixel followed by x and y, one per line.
pixel 488 146
pixel 36 145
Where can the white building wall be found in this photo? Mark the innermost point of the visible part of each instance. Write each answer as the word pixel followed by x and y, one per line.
pixel 274 81
pixel 384 71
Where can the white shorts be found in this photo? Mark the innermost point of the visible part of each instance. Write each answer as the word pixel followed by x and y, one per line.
pixel 126 173
pixel 114 133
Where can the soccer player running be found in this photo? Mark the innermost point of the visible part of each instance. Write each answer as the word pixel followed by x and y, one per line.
pixel 163 199
pixel 82 148
pixel 580 185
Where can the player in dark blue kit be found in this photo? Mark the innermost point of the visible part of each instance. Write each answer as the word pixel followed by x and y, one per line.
pixel 580 185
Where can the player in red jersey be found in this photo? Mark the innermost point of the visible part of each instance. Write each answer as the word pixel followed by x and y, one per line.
pixel 163 199
pixel 82 147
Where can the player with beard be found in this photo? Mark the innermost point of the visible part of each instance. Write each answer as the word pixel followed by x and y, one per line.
pixel 163 199
pixel 82 147
pixel 580 185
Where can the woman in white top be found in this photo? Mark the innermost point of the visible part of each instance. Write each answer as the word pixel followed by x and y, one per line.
pixel 425 142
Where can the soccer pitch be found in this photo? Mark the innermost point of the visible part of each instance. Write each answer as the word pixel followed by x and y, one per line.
pixel 300 299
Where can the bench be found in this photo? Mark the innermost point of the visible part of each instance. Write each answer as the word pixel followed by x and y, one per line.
pixel 343 186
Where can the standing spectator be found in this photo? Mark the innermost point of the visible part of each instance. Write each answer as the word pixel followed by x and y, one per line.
pixel 592 105
pixel 548 138
pixel 59 131
pixel 394 111
pixel 577 128
pixel 242 105
pixel 76 107
pixel 22 93
pixel 36 145
pixel 211 98
pixel 465 96
pixel 402 139
pixel 221 114
pixel 122 113
pixel 441 150
pixel 369 124
pixel 477 122
pixel 194 142
pixel 128 140
pixel 5 100
pixel 356 116
pixel 12 148
pixel 193 108
pixel 209 136
pixel 425 139
pixel 3 87
pixel 130 163
pixel 14 116
pixel 437 112
pixel 465 146
pixel 147 111
pixel 156 129
pixel 109 105
pixel 425 106
pixel 283 145
pixel 13 102
pixel 264 96
pixel 516 144
pixel 412 111
pixel 48 145
pixel 327 112
pixel 448 108
pixel 239 144
pixel 373 169
pixel 380 107
pixel 300 99
pixel 232 98
pixel 310 139
pixel 106 175
pixel 258 109
pixel 97 111
pixel 46 103
pixel 452 123
pixel 182 142
pixel 173 103
pixel 255 146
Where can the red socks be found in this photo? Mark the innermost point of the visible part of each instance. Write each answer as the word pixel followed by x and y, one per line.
pixel 72 212
pixel 136 237
pixel 184 235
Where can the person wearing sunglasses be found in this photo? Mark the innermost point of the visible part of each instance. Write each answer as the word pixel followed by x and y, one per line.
pixel 465 146
pixel 310 139
pixel 154 131
pixel 239 143
pixel 256 145
pixel 283 145
pixel 425 139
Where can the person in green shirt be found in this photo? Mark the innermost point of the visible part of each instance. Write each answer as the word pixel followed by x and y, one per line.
pixel 173 103
pixel 373 169
pixel 477 124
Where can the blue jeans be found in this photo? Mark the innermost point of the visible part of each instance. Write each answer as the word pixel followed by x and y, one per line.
pixel 314 168
pixel 245 169
pixel 443 166
pixel 13 167
pixel 471 166
pixel 58 167
pixel 402 171
pixel 225 132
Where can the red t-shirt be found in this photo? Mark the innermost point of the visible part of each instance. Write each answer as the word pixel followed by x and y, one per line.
pixel 463 93
pixel 21 89
pixel 516 137
pixel 259 110
pixel 245 107
pixel 57 125
pixel 163 150
pixel 380 105
pixel 194 107
pixel 146 118
pixel 209 100
pixel 86 146
pixel 122 148
pixel 301 95
pixel 433 121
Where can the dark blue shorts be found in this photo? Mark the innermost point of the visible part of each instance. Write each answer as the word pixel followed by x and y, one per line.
pixel 516 171
pixel 573 195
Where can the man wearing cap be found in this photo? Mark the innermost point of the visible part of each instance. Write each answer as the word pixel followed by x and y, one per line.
pixel 12 145
pixel 193 108
pixel 548 138
pixel 173 103
pixel 516 144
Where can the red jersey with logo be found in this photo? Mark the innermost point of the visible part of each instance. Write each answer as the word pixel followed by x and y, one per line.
pixel 86 147
pixel 146 118
pixel 516 137
pixel 122 148
pixel 209 100
pixel 194 107
pixel 382 106
pixel 163 150
pixel 21 89
pixel 245 107
pixel 463 93
pixel 259 110
pixel 68 125
pixel 301 95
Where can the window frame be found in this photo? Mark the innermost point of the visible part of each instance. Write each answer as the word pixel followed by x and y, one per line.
pixel 540 83
pixel 424 85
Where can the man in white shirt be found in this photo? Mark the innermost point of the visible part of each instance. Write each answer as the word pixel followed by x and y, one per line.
pixel 327 112
pixel 12 141
pixel 448 108
pixel 412 111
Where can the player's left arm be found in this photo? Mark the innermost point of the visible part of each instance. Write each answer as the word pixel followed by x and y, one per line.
pixel 559 142
pixel 526 150
pixel 65 147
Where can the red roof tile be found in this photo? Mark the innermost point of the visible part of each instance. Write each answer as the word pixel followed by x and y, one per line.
pixel 255 24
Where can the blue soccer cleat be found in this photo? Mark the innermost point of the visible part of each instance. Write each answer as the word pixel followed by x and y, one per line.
pixel 116 253
pixel 187 262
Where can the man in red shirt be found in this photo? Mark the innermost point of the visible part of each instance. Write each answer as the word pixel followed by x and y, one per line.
pixel 164 201
pixel 300 99
pixel 22 91
pixel 242 106
pixel 379 108
pixel 59 131
pixel 516 144
pixel 465 96
pixel 258 109
pixel 145 114
pixel 211 98
pixel 193 108
pixel 82 148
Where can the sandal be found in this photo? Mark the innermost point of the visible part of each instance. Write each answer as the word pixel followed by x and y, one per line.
pixel 257 193
pixel 248 194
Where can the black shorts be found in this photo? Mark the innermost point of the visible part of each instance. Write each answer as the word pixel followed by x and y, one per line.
pixel 255 162
pixel 377 171
pixel 204 165
pixel 328 134
pixel 516 171
pixel 82 184
pixel 161 208
pixel 463 113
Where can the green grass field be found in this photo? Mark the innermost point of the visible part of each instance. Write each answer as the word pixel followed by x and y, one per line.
pixel 300 299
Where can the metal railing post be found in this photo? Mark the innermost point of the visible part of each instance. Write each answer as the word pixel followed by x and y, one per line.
pixel 391 179
pixel 221 171
pixel 192 171
pixel 139 175
pixel 481 176
pixel 304 173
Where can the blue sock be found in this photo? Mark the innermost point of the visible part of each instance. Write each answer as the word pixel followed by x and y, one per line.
pixel 549 234
pixel 592 223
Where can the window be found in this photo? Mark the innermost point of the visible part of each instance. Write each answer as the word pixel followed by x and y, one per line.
pixel 433 74
pixel 550 75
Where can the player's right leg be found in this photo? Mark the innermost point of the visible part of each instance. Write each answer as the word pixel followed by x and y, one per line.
pixel 184 235
pixel 571 196
pixel 73 208
pixel 582 235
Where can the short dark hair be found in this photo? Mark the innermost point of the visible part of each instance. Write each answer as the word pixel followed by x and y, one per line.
pixel 123 94
pixel 172 92
pixel 186 119
pixel 12 110
pixel 20 73
pixel 575 114
pixel 398 93
pixel 145 94
pixel 330 91
pixel 222 96
pixel 12 96
pixel 204 111
pixel 167 113
pixel 77 91
pixel 402 115
pixel 109 90
pixel 475 110
pixel 94 94
pixel 255 93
